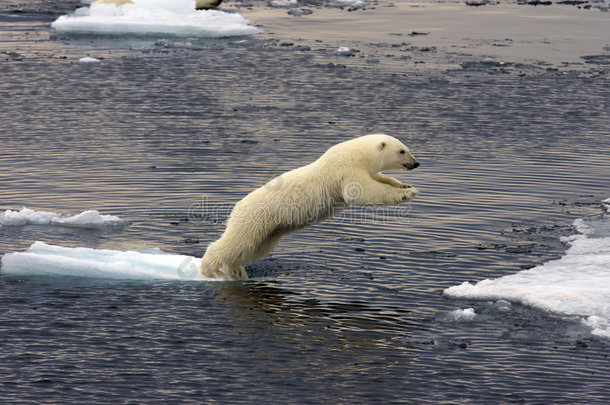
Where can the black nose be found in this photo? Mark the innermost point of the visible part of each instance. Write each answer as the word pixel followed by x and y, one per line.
pixel 415 165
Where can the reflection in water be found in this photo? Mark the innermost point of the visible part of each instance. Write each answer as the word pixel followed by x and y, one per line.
pixel 285 309
pixel 341 340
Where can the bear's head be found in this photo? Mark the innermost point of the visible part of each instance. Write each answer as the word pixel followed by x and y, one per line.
pixel 392 154
pixel 375 153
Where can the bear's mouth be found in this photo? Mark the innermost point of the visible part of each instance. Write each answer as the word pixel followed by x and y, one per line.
pixel 411 166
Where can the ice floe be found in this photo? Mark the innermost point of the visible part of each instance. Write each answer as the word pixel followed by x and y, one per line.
pixel 577 284
pixel 88 59
pixel 346 51
pixel 88 219
pixel 463 315
pixel 154 17
pixel 349 5
pixel 41 259
pixel 284 3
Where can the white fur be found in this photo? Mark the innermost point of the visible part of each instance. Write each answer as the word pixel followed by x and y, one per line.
pixel 347 174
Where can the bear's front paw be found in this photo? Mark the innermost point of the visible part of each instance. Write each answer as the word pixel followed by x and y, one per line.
pixel 408 195
pixel 405 185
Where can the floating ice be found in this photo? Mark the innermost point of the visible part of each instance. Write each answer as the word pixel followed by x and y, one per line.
pixel 463 315
pixel 577 284
pixel 87 219
pixel 599 326
pixel 299 12
pixel 165 17
pixel 345 51
pixel 350 5
pixel 88 59
pixel 47 260
pixel 502 306
pixel 284 3
pixel 26 216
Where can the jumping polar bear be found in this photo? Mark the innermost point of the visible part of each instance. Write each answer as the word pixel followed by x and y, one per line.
pixel 347 174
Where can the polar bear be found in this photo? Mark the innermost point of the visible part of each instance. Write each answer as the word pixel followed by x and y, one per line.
pixel 348 174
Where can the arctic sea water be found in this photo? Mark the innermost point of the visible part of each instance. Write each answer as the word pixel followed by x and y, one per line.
pixel 109 140
pixel 576 285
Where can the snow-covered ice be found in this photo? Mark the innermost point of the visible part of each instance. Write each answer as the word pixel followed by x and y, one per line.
pixel 348 4
pixel 578 284
pixel 284 3
pixel 345 51
pixel 165 17
pixel 42 259
pixel 87 219
pixel 88 59
pixel 463 315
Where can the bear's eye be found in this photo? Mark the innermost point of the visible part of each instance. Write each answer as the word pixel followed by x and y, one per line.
pixel 402 151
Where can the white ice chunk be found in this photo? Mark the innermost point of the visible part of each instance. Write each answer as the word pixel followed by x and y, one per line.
pixel 576 284
pixel 582 226
pixel 346 51
pixel 87 219
pixel 88 59
pixel 26 216
pixel 157 17
pixel 502 306
pixel 463 315
pixel 42 259
pixel 599 326
pixel 284 3
pixel 348 4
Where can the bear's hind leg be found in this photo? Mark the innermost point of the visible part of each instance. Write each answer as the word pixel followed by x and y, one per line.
pixel 266 246
pixel 211 270
pixel 237 272
pixel 206 271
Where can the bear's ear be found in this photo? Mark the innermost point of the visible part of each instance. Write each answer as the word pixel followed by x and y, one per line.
pixel 381 146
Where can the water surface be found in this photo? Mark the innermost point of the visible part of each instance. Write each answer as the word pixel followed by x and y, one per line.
pixel 169 136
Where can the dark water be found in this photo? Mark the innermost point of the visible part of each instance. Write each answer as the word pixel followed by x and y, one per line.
pixel 347 311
